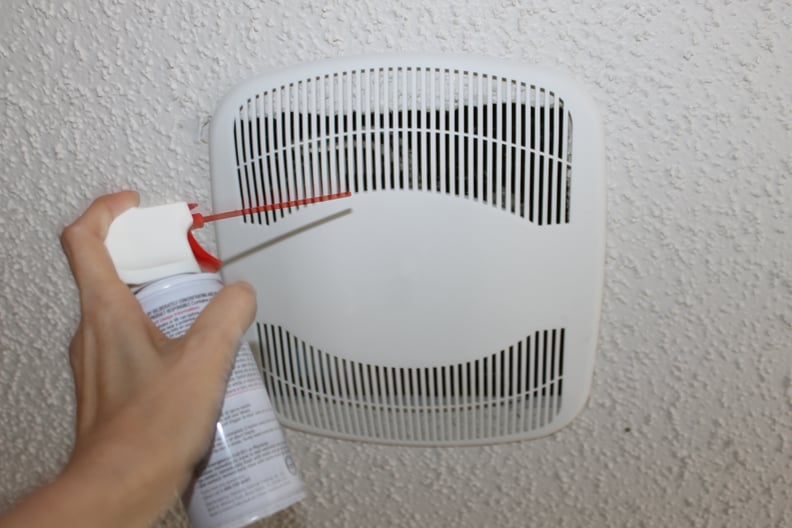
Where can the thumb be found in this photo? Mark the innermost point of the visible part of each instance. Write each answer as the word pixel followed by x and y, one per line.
pixel 216 333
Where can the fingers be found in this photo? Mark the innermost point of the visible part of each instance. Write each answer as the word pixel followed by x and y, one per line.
pixel 83 242
pixel 219 329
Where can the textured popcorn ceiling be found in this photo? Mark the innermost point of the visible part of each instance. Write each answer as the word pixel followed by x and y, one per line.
pixel 690 418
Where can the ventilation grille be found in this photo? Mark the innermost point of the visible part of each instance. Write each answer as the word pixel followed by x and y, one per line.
pixel 497 141
pixel 514 391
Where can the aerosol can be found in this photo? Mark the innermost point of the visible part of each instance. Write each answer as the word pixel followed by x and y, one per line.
pixel 250 473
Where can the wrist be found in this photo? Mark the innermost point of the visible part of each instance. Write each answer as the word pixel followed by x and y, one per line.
pixel 91 494
pixel 116 484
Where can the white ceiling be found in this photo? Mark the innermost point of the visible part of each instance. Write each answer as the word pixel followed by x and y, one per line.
pixel 690 418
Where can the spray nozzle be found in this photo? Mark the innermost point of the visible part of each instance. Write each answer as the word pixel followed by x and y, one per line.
pixel 149 243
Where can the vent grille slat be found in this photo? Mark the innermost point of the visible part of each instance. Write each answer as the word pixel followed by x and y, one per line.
pixel 489 139
pixel 514 391
pixel 536 175
pixel 259 192
pixel 291 173
pixel 380 174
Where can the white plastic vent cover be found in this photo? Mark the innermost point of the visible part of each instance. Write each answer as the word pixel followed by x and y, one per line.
pixel 454 298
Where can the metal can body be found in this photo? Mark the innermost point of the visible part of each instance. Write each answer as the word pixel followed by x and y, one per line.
pixel 250 473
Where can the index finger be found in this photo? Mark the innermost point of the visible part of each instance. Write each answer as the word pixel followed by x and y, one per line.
pixel 83 242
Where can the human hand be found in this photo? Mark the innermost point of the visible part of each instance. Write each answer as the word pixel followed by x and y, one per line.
pixel 146 405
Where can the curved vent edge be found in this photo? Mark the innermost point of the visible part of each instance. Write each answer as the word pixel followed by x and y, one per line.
pixel 504 395
pixel 496 141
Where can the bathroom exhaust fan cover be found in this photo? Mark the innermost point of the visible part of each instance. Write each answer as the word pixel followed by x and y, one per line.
pixel 454 298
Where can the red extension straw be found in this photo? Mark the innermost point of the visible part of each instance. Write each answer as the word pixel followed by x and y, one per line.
pixel 209 262
pixel 199 220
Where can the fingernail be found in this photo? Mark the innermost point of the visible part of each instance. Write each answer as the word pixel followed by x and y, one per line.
pixel 246 285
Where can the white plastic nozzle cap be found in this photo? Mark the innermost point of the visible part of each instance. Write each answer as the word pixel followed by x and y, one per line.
pixel 150 243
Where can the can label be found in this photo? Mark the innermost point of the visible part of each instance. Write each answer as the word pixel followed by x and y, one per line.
pixel 250 473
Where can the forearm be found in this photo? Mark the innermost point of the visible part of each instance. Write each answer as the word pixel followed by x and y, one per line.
pixel 95 493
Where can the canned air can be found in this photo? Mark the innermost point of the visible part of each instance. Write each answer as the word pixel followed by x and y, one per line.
pixel 250 473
